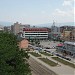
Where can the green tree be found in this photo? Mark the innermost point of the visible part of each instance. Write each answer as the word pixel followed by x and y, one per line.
pixel 32 41
pixel 12 60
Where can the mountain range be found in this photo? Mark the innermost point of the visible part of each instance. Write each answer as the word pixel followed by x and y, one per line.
pixel 41 25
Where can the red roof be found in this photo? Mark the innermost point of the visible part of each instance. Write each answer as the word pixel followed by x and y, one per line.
pixel 60 44
pixel 35 29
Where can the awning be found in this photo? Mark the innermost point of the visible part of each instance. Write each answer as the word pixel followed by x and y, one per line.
pixel 60 44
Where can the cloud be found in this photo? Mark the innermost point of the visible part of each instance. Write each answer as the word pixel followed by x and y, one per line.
pixel 68 2
pixel 65 13
pixel 63 16
pixel 59 12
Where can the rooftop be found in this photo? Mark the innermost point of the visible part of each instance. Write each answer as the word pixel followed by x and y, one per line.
pixel 72 43
pixel 35 29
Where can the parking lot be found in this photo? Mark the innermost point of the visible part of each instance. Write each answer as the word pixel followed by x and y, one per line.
pixel 50 44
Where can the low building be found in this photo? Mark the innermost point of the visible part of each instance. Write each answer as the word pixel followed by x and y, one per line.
pixel 23 44
pixel 35 33
pixel 68 49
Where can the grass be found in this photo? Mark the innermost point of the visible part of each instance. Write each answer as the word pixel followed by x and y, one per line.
pixel 35 54
pixel 47 54
pixel 49 62
pixel 64 62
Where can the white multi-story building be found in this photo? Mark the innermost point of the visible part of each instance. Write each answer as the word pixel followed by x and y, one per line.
pixel 35 33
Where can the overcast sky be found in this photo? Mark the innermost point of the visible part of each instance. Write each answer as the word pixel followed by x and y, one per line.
pixel 37 11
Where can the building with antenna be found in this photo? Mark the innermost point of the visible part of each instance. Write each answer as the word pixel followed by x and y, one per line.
pixel 55 31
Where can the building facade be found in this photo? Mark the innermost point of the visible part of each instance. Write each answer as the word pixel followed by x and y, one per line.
pixel 68 35
pixel 35 33
pixel 72 35
pixel 18 27
pixel 68 49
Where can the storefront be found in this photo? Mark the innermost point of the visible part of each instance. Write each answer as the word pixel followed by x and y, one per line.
pixel 68 49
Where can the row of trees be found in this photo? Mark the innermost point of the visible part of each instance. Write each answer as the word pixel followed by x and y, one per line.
pixel 35 42
pixel 12 60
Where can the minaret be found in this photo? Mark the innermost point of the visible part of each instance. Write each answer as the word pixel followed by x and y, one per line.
pixel 53 23
pixel 53 26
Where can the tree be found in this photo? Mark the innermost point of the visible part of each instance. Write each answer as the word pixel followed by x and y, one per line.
pixel 12 60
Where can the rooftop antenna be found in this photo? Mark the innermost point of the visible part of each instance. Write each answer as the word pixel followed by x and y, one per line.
pixel 53 23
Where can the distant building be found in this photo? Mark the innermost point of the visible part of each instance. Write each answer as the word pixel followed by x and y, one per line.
pixel 24 26
pixel 55 31
pixel 12 28
pixel 7 28
pixel 67 28
pixel 71 37
pixel 68 35
pixel 1 28
pixel 35 33
pixel 18 27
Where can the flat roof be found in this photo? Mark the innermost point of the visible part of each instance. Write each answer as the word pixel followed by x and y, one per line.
pixel 71 43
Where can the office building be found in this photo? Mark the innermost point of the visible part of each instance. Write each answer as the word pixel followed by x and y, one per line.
pixel 35 33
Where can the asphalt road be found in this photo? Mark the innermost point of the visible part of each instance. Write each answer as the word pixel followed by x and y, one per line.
pixel 39 69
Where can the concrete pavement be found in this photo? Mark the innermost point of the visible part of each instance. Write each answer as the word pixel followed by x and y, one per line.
pixel 60 70
pixel 39 69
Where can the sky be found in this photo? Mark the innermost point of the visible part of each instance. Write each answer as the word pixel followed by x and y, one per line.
pixel 37 11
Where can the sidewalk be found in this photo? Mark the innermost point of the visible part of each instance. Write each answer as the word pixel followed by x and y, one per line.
pixel 59 70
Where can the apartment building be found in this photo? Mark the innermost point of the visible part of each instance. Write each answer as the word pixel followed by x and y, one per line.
pixel 18 27
pixel 72 35
pixel 68 35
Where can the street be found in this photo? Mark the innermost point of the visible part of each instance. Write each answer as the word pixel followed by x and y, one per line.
pixel 39 69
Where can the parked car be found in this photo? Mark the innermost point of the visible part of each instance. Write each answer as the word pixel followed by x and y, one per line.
pixel 68 59
pixel 47 51
pixel 47 47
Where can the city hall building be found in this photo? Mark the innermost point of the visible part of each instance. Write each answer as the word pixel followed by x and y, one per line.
pixel 35 33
